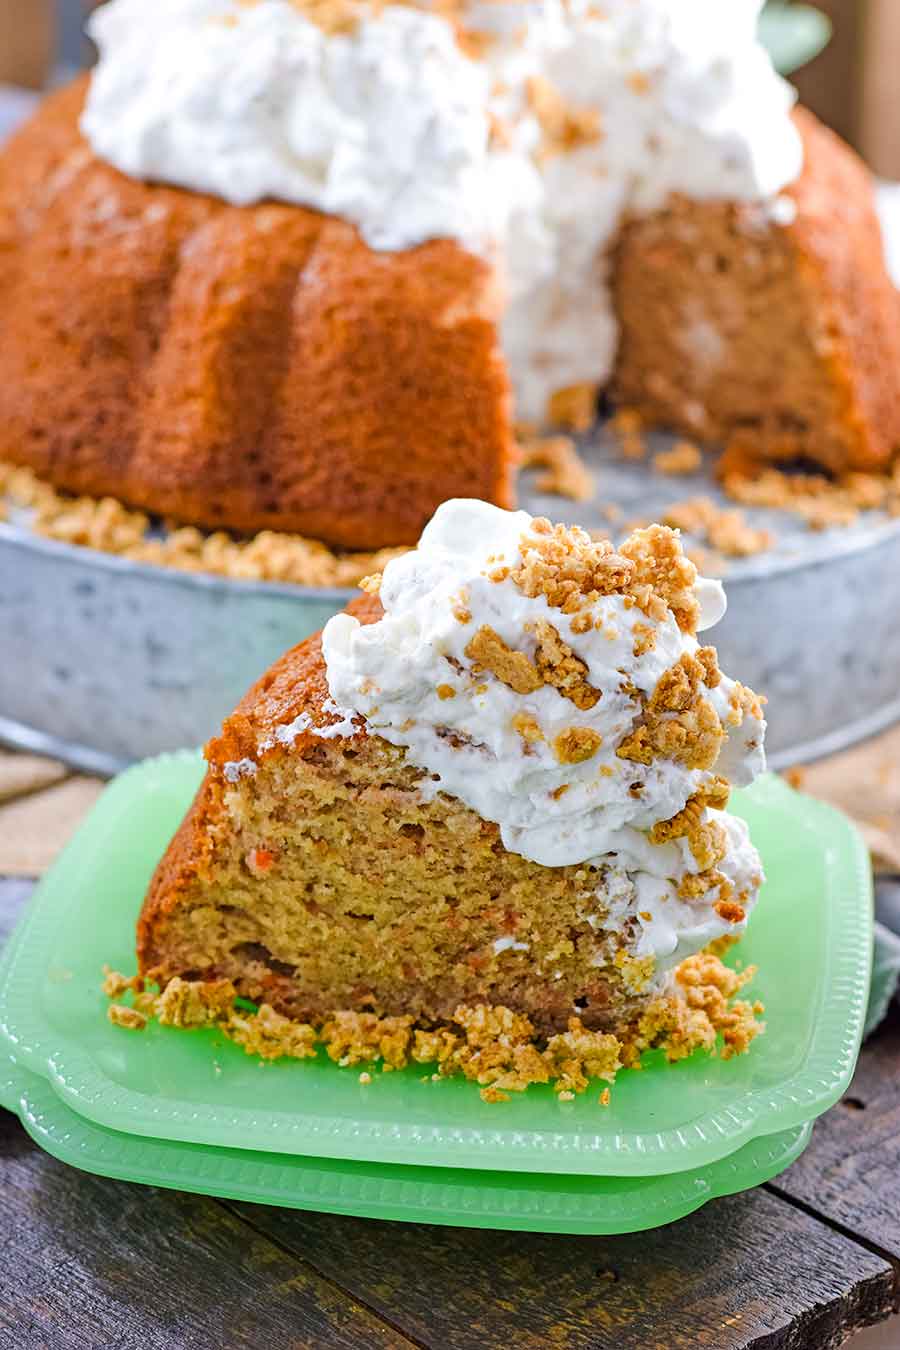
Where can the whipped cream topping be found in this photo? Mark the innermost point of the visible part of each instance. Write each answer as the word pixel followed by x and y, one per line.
pixel 573 115
pixel 543 767
pixel 670 928
pixel 384 125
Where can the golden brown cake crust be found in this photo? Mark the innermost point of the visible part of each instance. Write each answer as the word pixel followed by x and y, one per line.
pixel 295 684
pixel 251 368
pixel 837 239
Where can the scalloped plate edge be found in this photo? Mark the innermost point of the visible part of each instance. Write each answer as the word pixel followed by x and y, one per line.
pixel 468 1199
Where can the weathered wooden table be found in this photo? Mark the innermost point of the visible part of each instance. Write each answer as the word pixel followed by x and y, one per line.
pixel 92 1264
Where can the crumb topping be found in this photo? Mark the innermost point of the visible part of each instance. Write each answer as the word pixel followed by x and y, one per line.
pixel 678 721
pixel 821 502
pixel 487 651
pixel 575 406
pixel 683 458
pixel 123 1016
pixel 566 474
pixel 678 687
pixel 576 744
pixel 332 16
pixel 564 126
pixel 461 611
pixel 744 703
pixel 691 738
pixel 561 668
pixel 527 727
pixel 728 532
pixel 661 568
pixel 644 639
pixel 707 839
pixel 730 911
pixel 554 664
pixel 186 1003
pixel 105 524
pixel 628 426
pixel 573 571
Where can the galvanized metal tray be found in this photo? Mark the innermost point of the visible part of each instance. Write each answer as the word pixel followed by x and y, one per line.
pixel 105 661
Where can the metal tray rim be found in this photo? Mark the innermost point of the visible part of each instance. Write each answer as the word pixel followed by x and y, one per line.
pixel 840 543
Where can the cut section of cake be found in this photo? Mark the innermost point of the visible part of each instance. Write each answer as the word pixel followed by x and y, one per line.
pixel 498 784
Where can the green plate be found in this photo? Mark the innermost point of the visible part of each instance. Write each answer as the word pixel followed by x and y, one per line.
pixel 445 1195
pixel 811 935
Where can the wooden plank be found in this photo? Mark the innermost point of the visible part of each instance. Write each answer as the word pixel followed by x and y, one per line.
pixel 850 1174
pixel 746 1271
pixel 86 1262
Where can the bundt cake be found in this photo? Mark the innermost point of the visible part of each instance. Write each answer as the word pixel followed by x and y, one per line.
pixel 279 263
pixel 500 785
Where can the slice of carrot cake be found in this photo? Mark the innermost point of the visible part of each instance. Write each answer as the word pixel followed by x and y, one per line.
pixel 488 798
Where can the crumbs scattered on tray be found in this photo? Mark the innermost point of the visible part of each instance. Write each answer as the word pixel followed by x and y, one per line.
pixel 106 524
pixel 492 1046
pixel 566 474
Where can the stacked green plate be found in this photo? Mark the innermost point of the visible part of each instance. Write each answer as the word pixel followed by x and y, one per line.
pixel 194 1112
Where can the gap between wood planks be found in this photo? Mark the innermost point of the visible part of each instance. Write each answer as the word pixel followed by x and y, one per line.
pixel 233 1207
pixel 555 1284
pixel 892 1258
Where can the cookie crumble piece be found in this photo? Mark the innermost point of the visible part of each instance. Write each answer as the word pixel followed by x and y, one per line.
pixel 730 911
pixel 569 568
pixel 659 563
pixel 576 744
pixel 726 531
pixel 706 839
pixel 572 570
pixel 564 126
pixel 694 885
pixel 527 727
pixel 684 458
pixel 628 425
pixel 487 651
pixel 115 984
pixel 122 1016
pixel 561 668
pixel 566 475
pixel 194 1003
pixel 270 1035
pixel 574 406
pixel 644 636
